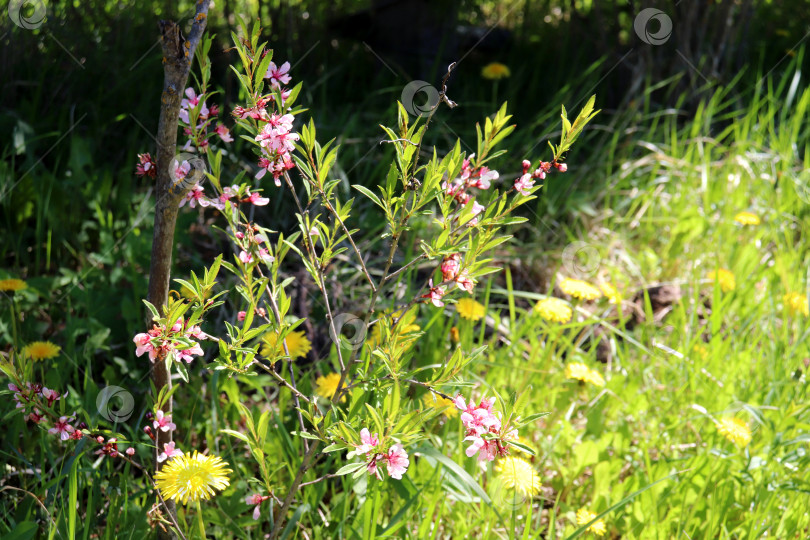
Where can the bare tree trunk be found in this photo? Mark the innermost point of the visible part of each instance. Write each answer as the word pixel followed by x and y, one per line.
pixel 178 53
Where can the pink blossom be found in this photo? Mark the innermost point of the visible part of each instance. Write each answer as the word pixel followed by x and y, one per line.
pixel 397 461
pixel 435 294
pixel 476 210
pixel 181 169
pixel 163 421
pixel 188 354
pixel 368 441
pixel 524 184
pixel 257 500
pixel 146 166
pixel 50 395
pixel 144 344
pixel 194 195
pixel 281 121
pixel 189 102
pixel 35 416
pixel 241 316
pixel 62 428
pixel 196 332
pixel 465 282
pixel 278 75
pixel 109 449
pixel 245 257
pixel 169 451
pixel 562 167
pixel 258 200
pixel 276 166
pixel 265 256
pixel 486 178
pixel 456 190
pixel 450 267
pixel 371 466
pixel 130 451
pixel 178 325
pixel 224 133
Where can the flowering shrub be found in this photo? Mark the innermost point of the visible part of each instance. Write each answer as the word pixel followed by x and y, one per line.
pixel 364 407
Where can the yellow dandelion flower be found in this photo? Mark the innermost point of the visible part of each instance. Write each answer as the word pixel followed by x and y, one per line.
pixel 595 378
pixel 518 474
pixel 495 71
pixel 581 372
pixel 725 278
pixel 611 293
pixel 192 477
pixel 586 516
pixel 735 430
pixel 12 284
pixel 747 218
pixel 433 401
pixel 554 309
pixel 470 309
pixel 580 289
pixel 297 344
pixel 797 303
pixel 41 350
pixel 326 386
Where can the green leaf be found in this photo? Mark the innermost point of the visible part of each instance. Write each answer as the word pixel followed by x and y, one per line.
pixel 350 468
pixel 456 469
pixel 236 434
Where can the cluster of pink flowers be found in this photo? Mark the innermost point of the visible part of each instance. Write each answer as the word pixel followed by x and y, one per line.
pixel 451 273
pixel 276 136
pixel 480 178
pixel 29 397
pixel 146 166
pixel 277 141
pixel 251 247
pixel 256 500
pixel 526 181
pixel 241 194
pixel 159 342
pixel 26 399
pixel 395 459
pixel 205 117
pixel 484 428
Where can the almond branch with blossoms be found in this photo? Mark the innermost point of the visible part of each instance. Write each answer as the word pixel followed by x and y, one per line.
pixel 367 414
